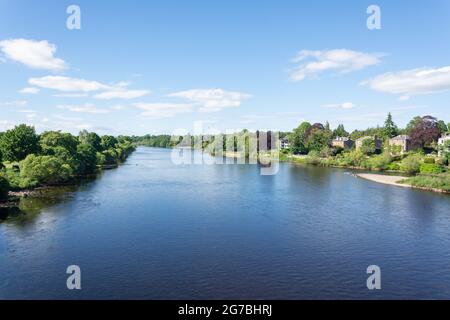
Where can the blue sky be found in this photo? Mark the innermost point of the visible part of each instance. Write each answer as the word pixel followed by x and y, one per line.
pixel 139 67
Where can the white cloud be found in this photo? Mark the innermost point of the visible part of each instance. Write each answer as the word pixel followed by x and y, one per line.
pixel 85 108
pixel 29 90
pixel 121 94
pixel 312 63
pixel 27 111
pixel 412 82
pixel 70 95
pixel 212 100
pixel 118 107
pixel 163 110
pixel 34 54
pixel 14 103
pixel 67 84
pixel 345 105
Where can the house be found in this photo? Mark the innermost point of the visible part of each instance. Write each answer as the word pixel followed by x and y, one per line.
pixel 402 141
pixel 378 142
pixel 441 142
pixel 285 144
pixel 342 142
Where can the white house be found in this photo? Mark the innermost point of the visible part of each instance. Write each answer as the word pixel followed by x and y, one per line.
pixel 441 142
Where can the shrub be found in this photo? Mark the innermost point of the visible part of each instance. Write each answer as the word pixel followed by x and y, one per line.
pixel 429 160
pixel 380 162
pixel 44 170
pixel 430 168
pixel 411 164
pixel 393 166
pixel 4 187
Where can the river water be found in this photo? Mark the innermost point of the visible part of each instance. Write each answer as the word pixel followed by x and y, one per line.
pixel 151 229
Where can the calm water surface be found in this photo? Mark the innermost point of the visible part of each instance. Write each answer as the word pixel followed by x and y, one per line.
pixel 153 230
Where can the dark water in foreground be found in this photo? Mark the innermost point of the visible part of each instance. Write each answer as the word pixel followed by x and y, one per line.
pixel 153 230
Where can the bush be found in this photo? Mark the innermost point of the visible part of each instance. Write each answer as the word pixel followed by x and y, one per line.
pixel 411 164
pixel 429 160
pixel 393 166
pixel 430 168
pixel 44 170
pixel 4 187
pixel 380 162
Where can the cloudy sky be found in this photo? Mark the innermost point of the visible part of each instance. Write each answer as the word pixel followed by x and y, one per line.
pixel 140 67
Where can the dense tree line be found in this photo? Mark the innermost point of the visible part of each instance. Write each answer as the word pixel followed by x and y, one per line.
pixel 29 160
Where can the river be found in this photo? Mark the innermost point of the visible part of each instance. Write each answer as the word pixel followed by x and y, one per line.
pixel 151 229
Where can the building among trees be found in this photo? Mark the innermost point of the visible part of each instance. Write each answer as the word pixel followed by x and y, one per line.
pixel 402 141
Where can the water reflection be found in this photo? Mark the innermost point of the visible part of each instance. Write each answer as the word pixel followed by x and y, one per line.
pixel 25 210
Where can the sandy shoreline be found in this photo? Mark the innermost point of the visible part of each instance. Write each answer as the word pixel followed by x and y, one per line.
pixel 385 179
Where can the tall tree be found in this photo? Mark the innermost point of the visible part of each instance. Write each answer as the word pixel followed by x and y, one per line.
pixel 17 143
pixel 298 138
pixel 340 131
pixel 390 130
pixel 425 132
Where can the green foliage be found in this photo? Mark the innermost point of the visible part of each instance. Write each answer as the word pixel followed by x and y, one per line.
pixel 44 170
pixel 298 138
pixel 390 130
pixel 54 139
pixel 380 162
pixel 429 160
pixel 4 187
pixel 90 138
pixel 318 139
pixel 17 143
pixel 430 168
pixel 340 132
pixel 436 181
pixel 368 146
pixel 108 142
pixel 87 159
pixel 411 164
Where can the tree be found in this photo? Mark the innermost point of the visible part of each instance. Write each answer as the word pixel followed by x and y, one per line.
pixel 318 138
pixel 87 159
pixel 17 143
pixel 298 138
pixel 340 131
pixel 425 132
pixel 412 124
pixel 368 146
pixel 108 142
pixel 390 130
pixel 52 139
pixel 90 138
pixel 442 126
pixel 39 170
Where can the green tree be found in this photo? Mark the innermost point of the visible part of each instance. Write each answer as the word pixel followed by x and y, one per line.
pixel 318 139
pixel 17 143
pixel 108 142
pixel 87 159
pixel 340 131
pixel 90 138
pixel 442 126
pixel 368 146
pixel 298 138
pixel 52 139
pixel 44 170
pixel 390 130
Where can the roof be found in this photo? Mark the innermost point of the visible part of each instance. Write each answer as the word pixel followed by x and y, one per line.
pixel 401 137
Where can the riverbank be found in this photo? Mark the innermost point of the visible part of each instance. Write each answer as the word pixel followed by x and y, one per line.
pixel 398 181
